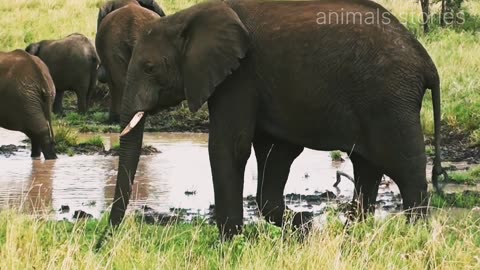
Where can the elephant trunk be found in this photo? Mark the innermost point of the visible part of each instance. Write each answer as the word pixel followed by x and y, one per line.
pixel 130 148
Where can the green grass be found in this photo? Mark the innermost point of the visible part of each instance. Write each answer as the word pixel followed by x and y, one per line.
pixel 65 138
pixel 475 138
pixel 115 146
pixel 466 199
pixel 90 122
pixel 471 176
pixel 68 142
pixel 336 155
pixel 454 50
pixel 94 141
pixel 444 242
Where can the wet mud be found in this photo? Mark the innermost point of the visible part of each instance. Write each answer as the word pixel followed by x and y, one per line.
pixel 11 149
pixel 456 147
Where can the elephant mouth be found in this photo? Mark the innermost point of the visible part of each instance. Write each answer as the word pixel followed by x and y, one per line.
pixel 134 122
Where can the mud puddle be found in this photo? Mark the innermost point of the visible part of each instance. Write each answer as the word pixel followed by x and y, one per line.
pixel 176 182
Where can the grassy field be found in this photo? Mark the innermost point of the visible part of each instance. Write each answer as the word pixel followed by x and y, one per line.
pixel 454 50
pixel 445 242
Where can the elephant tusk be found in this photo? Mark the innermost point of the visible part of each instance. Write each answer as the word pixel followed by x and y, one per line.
pixel 136 118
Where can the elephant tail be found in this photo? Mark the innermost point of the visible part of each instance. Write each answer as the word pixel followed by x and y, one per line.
pixel 437 162
pixel 47 111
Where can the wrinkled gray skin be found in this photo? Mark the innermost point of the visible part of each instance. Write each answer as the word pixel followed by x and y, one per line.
pixel 27 92
pixel 73 64
pixel 118 26
pixel 276 78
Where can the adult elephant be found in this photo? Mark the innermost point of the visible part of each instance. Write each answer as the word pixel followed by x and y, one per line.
pixel 73 63
pixel 27 92
pixel 118 28
pixel 283 76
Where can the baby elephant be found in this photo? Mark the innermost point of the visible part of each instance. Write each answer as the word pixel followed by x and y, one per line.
pixel 73 64
pixel 27 92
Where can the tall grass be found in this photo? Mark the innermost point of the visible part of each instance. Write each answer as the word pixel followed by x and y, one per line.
pixel 454 50
pixel 445 242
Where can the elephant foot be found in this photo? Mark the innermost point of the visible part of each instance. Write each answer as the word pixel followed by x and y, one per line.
pixel 49 151
pixel 302 222
pixel 230 229
pixel 36 158
pixel 354 211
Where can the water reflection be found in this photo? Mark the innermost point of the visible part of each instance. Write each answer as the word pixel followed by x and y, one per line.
pixel 88 182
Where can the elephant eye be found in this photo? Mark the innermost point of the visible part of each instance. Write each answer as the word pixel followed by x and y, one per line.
pixel 149 68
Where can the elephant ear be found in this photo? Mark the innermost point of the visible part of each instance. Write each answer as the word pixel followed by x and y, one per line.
pixel 153 6
pixel 104 11
pixel 214 42
pixel 33 48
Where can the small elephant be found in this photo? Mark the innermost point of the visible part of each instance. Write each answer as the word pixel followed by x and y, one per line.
pixel 27 92
pixel 73 63
pixel 119 25
pixel 278 76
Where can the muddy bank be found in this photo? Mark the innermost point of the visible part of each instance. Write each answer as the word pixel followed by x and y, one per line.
pixel 456 147
pixel 11 149
pixel 146 151
pixel 80 149
pixel 86 149
pixel 313 204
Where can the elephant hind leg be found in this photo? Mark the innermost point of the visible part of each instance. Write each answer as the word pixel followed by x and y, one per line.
pixel 406 164
pixel 42 142
pixel 48 150
pixel 411 180
pixel 367 180
pixel 274 161
pixel 36 148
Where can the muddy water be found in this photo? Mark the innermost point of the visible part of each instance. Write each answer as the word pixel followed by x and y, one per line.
pixel 165 180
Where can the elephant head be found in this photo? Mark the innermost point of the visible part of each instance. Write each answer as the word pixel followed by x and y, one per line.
pixel 111 6
pixel 178 57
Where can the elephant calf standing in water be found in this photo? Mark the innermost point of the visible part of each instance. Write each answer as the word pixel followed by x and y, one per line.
pixel 283 75
pixel 73 64
pixel 26 96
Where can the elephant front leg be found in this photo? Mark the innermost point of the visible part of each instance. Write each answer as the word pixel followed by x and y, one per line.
pixel 274 161
pixel 228 157
pixel 232 112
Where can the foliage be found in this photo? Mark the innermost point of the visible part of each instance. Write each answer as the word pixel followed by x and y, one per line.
pixel 94 141
pixel 65 137
pixel 471 176
pixel 68 142
pixel 336 155
pixel 467 199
